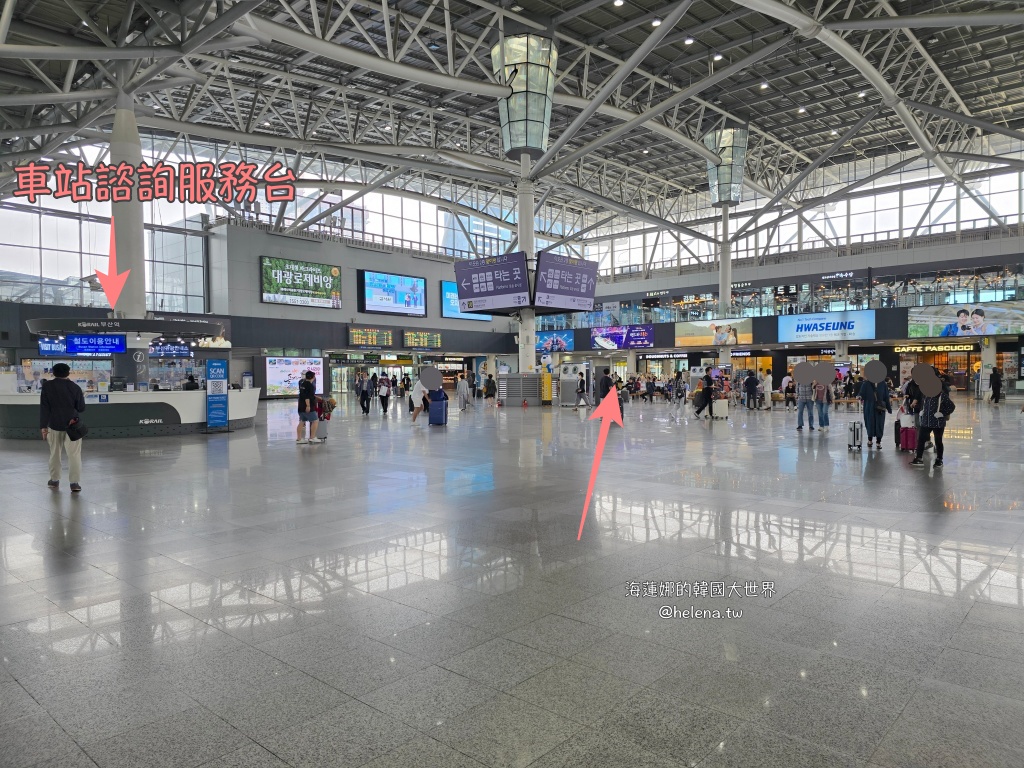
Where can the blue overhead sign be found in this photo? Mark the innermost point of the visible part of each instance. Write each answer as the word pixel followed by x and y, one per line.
pixel 853 325
pixel 96 344
pixel 59 348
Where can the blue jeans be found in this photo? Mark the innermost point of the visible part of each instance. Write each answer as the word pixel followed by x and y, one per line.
pixel 800 406
pixel 822 413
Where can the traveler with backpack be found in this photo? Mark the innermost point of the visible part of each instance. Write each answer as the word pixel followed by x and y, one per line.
pixel 933 413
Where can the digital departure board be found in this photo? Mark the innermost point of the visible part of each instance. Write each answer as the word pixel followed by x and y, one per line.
pixel 421 339
pixel 370 338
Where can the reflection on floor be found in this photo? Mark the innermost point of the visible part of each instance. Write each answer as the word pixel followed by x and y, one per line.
pixel 415 596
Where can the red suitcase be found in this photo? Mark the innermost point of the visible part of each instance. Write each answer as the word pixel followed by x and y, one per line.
pixel 908 439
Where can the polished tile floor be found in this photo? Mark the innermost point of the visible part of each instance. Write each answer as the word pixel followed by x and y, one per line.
pixel 408 596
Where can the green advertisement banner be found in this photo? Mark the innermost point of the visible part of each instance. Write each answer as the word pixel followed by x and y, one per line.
pixel 300 283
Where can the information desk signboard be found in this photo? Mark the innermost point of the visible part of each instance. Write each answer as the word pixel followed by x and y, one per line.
pixel 216 394
pixel 852 325
pixel 370 338
pixel 388 294
pixel 565 283
pixel 450 304
pixel 421 339
pixel 96 344
pixel 300 283
pixel 497 282
pixel 170 350
pixel 622 337
pixel 57 348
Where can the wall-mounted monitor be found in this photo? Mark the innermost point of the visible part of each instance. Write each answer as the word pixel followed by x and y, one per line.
pixel 622 337
pixel 970 320
pixel 450 303
pixel 284 374
pixel 555 341
pixel 389 294
pixel 370 338
pixel 717 333
pixel 300 283
pixel 421 339
pixel 564 282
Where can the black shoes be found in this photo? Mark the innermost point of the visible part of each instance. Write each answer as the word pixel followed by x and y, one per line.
pixel 938 463
pixel 917 463
pixel 53 483
pixel 76 488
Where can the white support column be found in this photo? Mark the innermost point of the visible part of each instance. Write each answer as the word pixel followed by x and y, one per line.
pixel 525 223
pixel 130 241
pixel 724 268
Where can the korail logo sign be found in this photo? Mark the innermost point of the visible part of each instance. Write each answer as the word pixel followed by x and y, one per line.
pixel 856 325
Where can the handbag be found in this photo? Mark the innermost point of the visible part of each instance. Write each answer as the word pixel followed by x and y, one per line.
pixel 880 407
pixel 76 429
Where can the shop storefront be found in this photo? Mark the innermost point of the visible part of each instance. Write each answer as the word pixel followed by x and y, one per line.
pixel 962 361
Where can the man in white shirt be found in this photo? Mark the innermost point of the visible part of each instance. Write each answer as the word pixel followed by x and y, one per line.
pixel 419 398
pixel 768 389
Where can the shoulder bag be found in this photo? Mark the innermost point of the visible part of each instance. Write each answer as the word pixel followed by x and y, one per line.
pixel 76 429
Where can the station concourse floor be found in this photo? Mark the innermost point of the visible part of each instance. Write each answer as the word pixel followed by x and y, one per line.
pixel 414 596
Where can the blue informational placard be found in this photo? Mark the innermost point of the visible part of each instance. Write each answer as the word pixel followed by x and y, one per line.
pixel 96 344
pixel 450 303
pixel 170 350
pixel 58 348
pixel 216 394
pixel 852 325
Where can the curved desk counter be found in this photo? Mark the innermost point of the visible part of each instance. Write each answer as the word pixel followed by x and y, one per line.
pixel 132 414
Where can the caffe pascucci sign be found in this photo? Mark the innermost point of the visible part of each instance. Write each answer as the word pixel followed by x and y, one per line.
pixel 937 348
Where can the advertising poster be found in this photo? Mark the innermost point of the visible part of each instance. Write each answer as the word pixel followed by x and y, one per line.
pixel 283 374
pixel 715 333
pixel 216 394
pixel 496 282
pixel 854 325
pixel 622 337
pixel 450 303
pixel 394 294
pixel 555 341
pixel 1000 317
pixel 565 283
pixel 300 283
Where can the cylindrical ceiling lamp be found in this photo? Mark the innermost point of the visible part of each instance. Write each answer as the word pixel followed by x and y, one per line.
pixel 726 180
pixel 526 63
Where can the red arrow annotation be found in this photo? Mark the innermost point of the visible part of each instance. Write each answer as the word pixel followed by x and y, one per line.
pixel 112 282
pixel 608 411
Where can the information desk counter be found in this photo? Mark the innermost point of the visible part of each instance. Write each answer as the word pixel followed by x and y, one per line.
pixel 131 414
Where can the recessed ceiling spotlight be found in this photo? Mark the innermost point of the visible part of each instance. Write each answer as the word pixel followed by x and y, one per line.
pixel 717 57
pixel 764 86
pixel 516 8
pixel 862 94
pixel 646 151
pixel 266 122
pixel 655 22
pixel 801 110
pixel 933 40
pixel 387 127
pixel 688 40
pixel 618 3
pixel 835 132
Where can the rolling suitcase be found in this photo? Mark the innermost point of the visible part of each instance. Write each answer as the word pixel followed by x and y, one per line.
pixel 323 427
pixel 908 439
pixel 438 414
pixel 854 435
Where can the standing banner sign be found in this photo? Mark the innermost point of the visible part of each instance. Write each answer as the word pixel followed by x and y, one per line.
pixel 216 394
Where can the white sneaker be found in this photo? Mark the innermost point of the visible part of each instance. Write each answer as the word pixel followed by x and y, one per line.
pixel 301 441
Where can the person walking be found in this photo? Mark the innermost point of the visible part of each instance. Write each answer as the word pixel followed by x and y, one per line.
pixel 707 395
pixel 581 393
pixel 462 393
pixel 471 383
pixel 605 385
pixel 364 393
pixel 822 401
pixel 750 385
pixel 60 402
pixel 384 392
pixel 804 402
pixel 490 389
pixel 680 392
pixel 933 413
pixel 995 383
pixel 768 381
pixel 307 408
pixel 420 397
pixel 875 398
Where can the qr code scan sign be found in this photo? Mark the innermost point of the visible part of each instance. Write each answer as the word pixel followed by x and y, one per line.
pixel 217 387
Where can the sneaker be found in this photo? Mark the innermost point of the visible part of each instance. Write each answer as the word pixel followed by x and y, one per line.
pixel 938 463
pixel 301 441
pixel 53 483
pixel 311 441
pixel 799 429
pixel 917 463
pixel 76 488
pixel 812 429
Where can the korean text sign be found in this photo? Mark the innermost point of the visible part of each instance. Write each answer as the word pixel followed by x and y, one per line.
pixel 96 344
pixel 565 283
pixel 300 283
pixel 497 282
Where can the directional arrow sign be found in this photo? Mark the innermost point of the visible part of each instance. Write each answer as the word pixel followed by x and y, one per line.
pixel 112 282
pixel 608 411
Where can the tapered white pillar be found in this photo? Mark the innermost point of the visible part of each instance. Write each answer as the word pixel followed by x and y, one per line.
pixel 524 221
pixel 130 240
pixel 725 269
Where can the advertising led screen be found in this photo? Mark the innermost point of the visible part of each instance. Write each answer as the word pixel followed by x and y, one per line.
pixel 565 283
pixel 384 293
pixel 854 325
pixel 555 341
pixel 497 282
pixel 96 344
pixel 283 374
pixel 371 338
pixel 300 283
pixel 450 303
pixel 421 339
pixel 715 333
pixel 999 317
pixel 622 337
pixel 58 348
